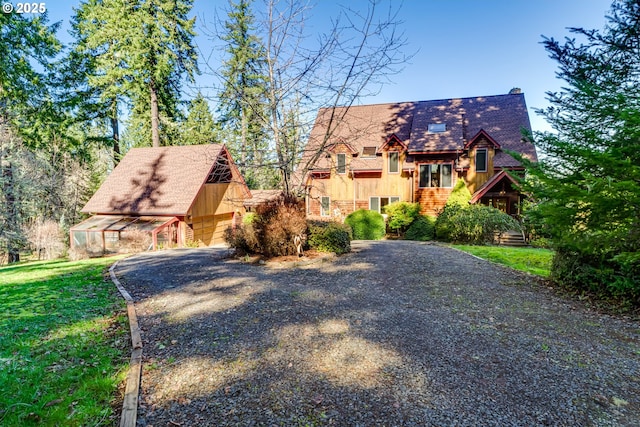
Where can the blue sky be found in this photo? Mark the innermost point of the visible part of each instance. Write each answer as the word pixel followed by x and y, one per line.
pixel 462 47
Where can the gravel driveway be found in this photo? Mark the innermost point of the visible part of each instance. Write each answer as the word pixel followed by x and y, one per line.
pixel 395 333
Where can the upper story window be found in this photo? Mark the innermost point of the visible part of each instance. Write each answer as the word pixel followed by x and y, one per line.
pixel 437 127
pixel 481 160
pixel 368 151
pixel 435 175
pixel 342 163
pixel 394 160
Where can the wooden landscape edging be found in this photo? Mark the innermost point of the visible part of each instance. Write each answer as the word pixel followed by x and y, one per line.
pixel 132 390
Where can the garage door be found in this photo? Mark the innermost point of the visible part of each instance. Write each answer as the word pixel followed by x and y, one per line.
pixel 210 229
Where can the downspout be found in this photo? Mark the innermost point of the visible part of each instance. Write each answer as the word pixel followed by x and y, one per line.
pixel 413 196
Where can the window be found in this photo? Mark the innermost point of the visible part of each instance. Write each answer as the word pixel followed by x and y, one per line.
pixel 325 205
pixel 481 160
pixel 437 127
pixel 393 161
pixel 368 151
pixel 377 203
pixel 435 176
pixel 342 163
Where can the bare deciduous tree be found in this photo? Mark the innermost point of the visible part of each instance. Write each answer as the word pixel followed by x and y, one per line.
pixel 362 49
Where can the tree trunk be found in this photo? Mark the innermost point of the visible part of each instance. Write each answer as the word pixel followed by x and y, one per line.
pixel 243 141
pixel 155 120
pixel 11 210
pixel 115 129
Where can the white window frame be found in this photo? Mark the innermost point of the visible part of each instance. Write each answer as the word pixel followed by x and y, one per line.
pixel 429 182
pixel 397 153
pixel 486 159
pixel 324 212
pixel 391 199
pixel 344 156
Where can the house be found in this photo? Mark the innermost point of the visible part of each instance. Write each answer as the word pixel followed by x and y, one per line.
pixel 371 155
pixel 175 195
pixel 261 197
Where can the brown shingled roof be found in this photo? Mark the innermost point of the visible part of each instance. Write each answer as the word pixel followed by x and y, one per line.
pixel 155 181
pixel 502 117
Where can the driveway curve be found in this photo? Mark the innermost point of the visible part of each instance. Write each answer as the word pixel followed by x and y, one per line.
pixel 395 333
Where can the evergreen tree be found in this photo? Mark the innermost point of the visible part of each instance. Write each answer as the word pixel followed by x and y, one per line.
pixel 161 53
pixel 588 185
pixel 24 42
pixel 242 99
pixel 142 50
pixel 199 126
pixel 93 96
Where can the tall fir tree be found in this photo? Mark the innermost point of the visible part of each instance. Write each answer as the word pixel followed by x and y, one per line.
pixel 199 126
pixel 143 50
pixel 587 186
pixel 162 53
pixel 93 87
pixel 24 42
pixel 242 99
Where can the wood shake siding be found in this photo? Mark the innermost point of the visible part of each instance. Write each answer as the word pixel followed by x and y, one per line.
pixel 437 132
pixel 432 200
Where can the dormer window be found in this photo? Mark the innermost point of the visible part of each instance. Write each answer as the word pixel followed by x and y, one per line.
pixel 368 151
pixel 437 127
pixel 341 163
pixel 481 160
pixel 394 157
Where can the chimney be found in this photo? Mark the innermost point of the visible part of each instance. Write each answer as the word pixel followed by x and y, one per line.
pixel 515 91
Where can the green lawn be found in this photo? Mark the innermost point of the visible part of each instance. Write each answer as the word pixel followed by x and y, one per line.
pixel 531 260
pixel 64 346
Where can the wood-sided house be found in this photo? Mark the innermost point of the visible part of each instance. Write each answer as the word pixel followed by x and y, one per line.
pixel 416 152
pixel 176 194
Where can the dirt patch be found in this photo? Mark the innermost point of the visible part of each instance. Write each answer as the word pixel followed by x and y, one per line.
pixel 394 333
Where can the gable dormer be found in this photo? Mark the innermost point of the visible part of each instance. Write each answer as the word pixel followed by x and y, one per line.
pixel 393 143
pixel 481 150
pixel 393 153
pixel 341 153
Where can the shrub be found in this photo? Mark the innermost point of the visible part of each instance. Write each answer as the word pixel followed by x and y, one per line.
pixel 272 230
pixel 423 229
pixel 366 224
pixel 602 275
pixel 401 215
pixel 329 237
pixel 249 218
pixel 46 238
pixel 459 196
pixel 475 224
pixel 540 242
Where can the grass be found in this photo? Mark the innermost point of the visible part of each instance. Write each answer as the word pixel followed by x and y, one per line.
pixel 63 344
pixel 530 260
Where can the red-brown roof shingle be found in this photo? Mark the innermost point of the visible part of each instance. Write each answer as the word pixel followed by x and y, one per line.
pixel 502 117
pixel 155 181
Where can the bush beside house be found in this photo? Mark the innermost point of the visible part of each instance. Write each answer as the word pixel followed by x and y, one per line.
pixel 400 215
pixel 366 224
pixel 474 224
pixel 329 237
pixel 422 229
